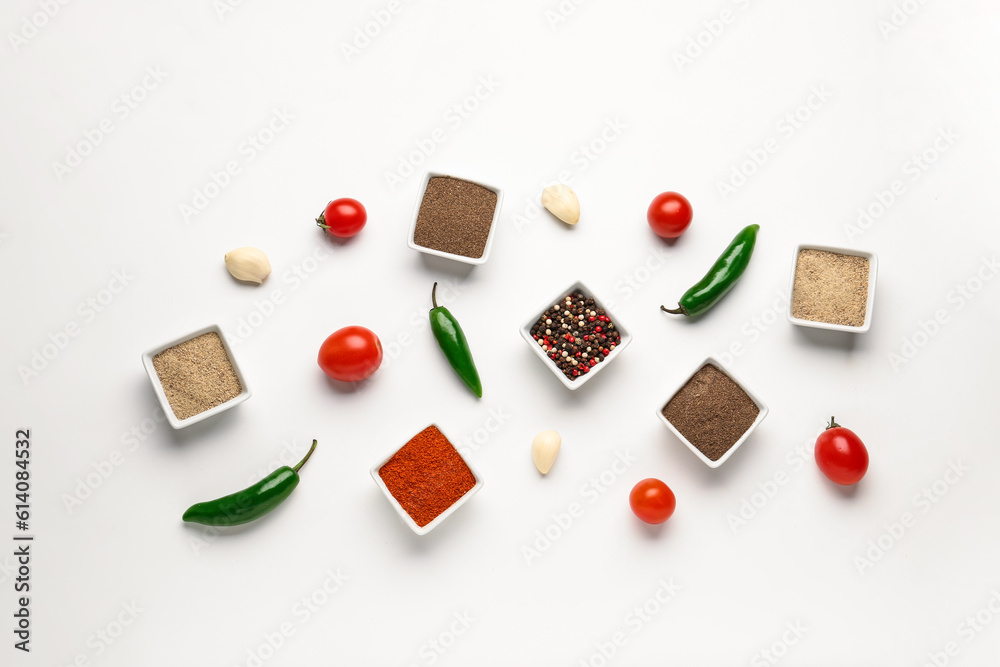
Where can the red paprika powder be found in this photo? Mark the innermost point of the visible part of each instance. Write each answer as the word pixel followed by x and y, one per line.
pixel 427 475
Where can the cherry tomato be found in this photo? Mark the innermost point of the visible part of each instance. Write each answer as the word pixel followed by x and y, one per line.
pixel 343 218
pixel 669 214
pixel 350 354
pixel 652 501
pixel 841 455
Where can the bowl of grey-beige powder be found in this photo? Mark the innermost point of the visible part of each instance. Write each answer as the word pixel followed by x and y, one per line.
pixel 455 218
pixel 832 288
pixel 195 376
pixel 712 413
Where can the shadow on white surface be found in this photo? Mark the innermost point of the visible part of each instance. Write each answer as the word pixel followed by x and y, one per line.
pixel 445 265
pixel 336 241
pixel 839 490
pixel 195 432
pixel 391 527
pixel 341 387
pixel 826 338
pixel 695 469
pixel 650 531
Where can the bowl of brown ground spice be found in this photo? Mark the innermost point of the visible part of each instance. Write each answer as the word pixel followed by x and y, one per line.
pixel 455 218
pixel 832 288
pixel 712 413
pixel 196 376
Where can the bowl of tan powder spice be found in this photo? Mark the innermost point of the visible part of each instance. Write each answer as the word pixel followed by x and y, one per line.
pixel 195 376
pixel 832 288
pixel 712 413
pixel 455 218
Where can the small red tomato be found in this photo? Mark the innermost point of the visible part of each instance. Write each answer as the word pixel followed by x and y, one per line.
pixel 350 354
pixel 669 214
pixel 841 455
pixel 652 501
pixel 343 218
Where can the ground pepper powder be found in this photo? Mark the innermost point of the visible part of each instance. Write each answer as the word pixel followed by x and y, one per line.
pixel 197 375
pixel 830 287
pixel 455 216
pixel 712 411
pixel 427 476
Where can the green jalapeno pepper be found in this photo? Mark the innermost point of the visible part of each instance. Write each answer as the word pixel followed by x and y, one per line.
pixel 250 503
pixel 453 343
pixel 720 278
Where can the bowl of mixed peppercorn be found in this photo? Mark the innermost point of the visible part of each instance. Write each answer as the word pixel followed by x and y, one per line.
pixel 575 336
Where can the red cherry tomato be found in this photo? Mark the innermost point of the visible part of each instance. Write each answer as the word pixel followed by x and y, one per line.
pixel 652 501
pixel 343 218
pixel 841 455
pixel 350 354
pixel 669 214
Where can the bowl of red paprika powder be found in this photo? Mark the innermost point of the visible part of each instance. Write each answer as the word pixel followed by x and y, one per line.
pixel 426 480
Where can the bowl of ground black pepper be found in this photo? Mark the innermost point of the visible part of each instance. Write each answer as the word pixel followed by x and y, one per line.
pixel 575 336
pixel 196 376
pixel 455 218
pixel 426 480
pixel 712 413
pixel 832 288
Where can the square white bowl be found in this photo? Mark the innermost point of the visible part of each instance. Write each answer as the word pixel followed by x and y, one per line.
pixel 626 337
pixel 439 519
pixel 869 305
pixel 147 362
pixel 753 397
pixel 450 255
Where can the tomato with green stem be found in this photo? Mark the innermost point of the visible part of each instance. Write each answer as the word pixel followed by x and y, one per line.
pixel 841 455
pixel 343 218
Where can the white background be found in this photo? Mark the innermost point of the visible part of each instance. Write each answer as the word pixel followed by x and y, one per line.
pixel 208 600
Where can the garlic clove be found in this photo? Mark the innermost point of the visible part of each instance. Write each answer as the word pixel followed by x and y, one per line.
pixel 249 264
pixel 544 449
pixel 562 202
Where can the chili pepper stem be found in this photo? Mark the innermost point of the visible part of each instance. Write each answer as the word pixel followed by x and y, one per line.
pixel 306 458
pixel 434 290
pixel 833 424
pixel 679 310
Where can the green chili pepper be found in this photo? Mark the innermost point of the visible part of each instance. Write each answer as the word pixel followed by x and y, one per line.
pixel 250 503
pixel 452 340
pixel 720 278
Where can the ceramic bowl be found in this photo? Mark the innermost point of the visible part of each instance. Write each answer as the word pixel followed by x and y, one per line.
pixel 440 518
pixel 147 362
pixel 626 337
pixel 869 305
pixel 440 253
pixel 743 438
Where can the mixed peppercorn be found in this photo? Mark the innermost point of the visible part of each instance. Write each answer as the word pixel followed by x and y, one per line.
pixel 575 334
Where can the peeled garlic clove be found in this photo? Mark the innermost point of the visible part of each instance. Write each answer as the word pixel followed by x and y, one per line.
pixel 249 264
pixel 561 202
pixel 544 449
